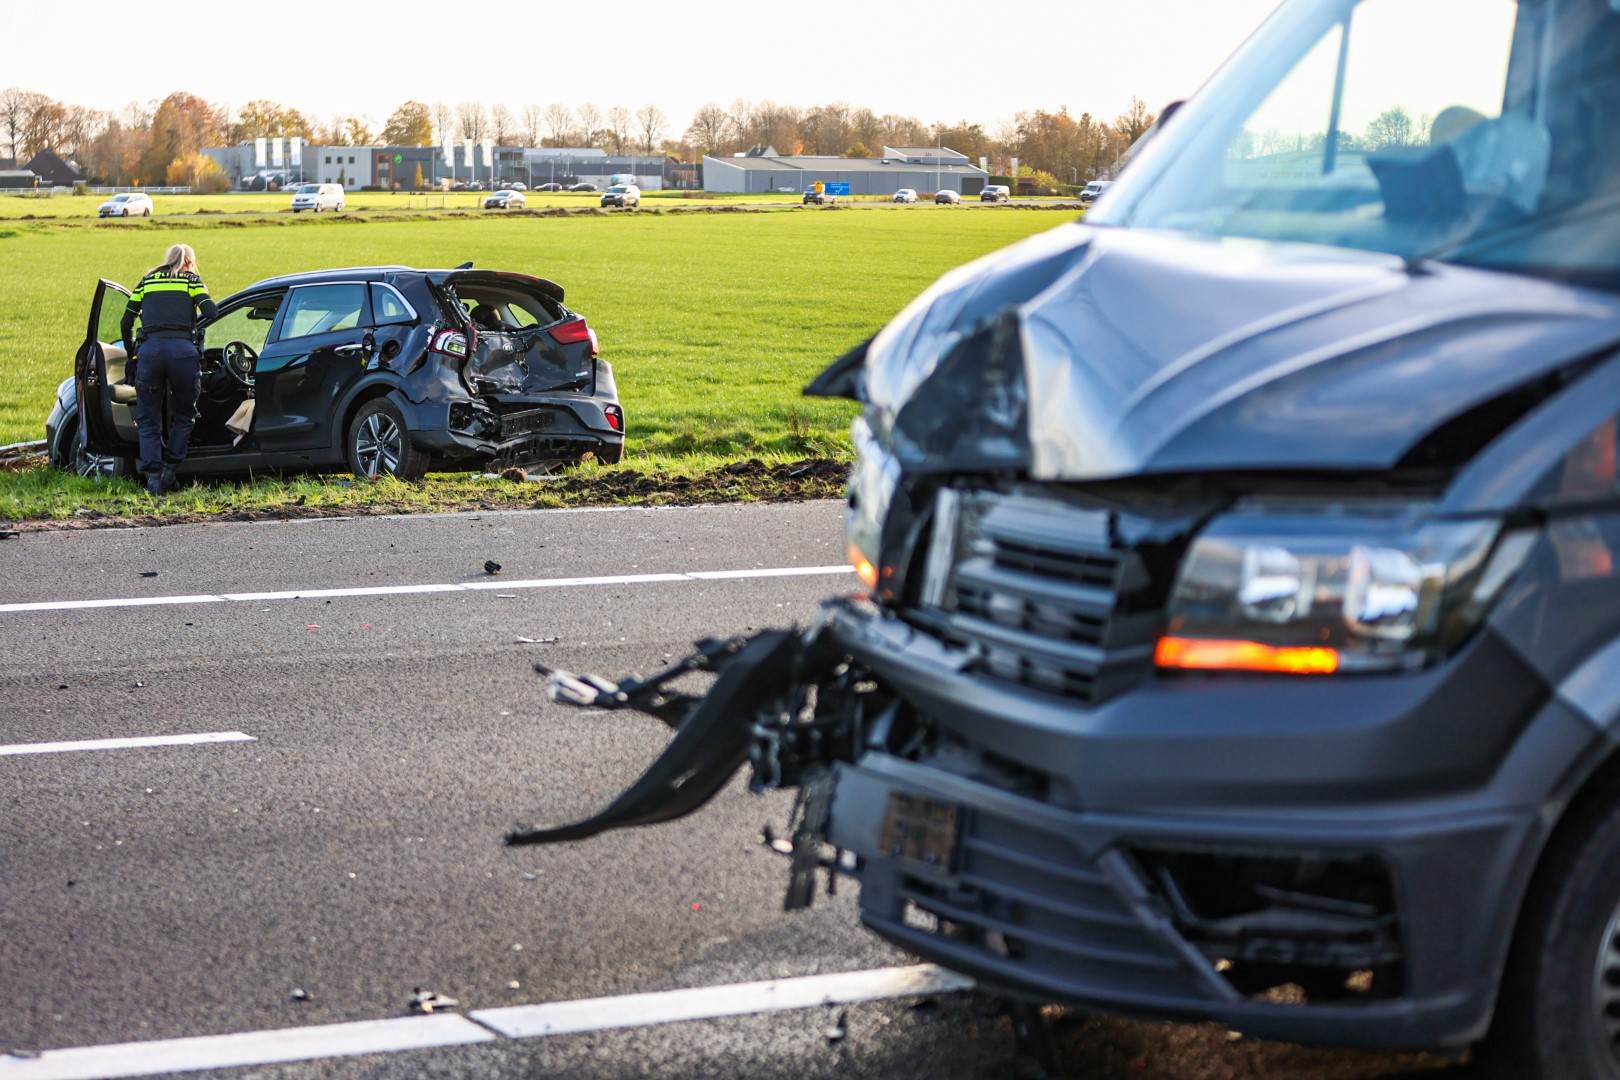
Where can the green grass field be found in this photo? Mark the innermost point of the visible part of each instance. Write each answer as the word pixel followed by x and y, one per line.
pixel 713 322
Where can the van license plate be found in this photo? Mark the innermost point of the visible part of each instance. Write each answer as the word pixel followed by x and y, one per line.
pixel 921 830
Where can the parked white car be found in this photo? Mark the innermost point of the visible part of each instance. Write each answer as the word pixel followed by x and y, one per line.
pixel 126 204
pixel 622 195
pixel 317 197
pixel 905 194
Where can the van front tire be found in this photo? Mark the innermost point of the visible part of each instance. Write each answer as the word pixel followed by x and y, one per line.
pixel 1558 1013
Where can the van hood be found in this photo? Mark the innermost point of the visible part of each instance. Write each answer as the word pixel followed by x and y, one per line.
pixel 1091 353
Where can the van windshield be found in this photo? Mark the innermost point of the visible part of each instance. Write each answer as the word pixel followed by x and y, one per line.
pixel 1473 131
pixel 308 189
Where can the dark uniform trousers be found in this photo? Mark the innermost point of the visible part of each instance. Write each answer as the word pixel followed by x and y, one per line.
pixel 166 366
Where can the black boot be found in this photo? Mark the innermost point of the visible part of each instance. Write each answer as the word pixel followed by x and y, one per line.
pixel 169 481
pixel 154 484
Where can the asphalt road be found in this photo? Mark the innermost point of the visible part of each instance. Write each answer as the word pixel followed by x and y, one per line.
pixel 347 846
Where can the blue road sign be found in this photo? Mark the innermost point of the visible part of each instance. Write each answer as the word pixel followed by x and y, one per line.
pixel 831 188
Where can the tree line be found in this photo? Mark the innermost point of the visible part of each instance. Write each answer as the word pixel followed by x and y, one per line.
pixel 159 142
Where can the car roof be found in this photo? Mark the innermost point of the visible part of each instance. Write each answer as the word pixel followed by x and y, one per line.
pixel 317 277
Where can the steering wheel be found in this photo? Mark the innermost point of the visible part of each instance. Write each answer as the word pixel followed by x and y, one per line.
pixel 240 362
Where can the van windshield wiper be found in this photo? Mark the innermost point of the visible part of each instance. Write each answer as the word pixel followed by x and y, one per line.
pixel 1559 215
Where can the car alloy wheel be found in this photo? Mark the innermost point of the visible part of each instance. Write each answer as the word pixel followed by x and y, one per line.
pixel 378 444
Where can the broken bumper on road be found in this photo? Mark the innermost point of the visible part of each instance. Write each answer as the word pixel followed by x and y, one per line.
pixel 1114 859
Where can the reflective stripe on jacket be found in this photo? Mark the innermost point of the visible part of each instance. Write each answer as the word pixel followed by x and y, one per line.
pixel 167 305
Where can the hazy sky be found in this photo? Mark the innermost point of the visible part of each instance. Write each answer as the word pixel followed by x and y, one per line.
pixel 979 60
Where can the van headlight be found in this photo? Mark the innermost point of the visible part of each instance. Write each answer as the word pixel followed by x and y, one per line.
pixel 1333 589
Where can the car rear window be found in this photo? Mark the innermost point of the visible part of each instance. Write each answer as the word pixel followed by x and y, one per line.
pixel 321 309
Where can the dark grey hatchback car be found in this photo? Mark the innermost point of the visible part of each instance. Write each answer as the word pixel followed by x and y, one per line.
pixel 385 370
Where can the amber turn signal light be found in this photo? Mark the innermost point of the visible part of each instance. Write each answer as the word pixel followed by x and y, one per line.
pixel 863 566
pixel 1214 655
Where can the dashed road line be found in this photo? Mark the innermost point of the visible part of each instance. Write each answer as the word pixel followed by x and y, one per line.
pixel 448 587
pixel 124 744
pixel 252 1048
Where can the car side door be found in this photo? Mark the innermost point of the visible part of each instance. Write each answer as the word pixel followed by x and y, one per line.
pixel 316 351
pixel 106 403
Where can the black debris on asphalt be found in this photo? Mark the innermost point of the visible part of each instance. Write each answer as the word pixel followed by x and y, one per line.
pixel 491 566
pixel 427 1001
pixel 149 573
pixel 299 994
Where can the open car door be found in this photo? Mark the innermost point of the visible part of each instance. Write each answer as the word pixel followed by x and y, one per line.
pixel 106 404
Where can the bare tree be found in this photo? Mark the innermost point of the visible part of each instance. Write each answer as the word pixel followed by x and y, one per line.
pixel 17 107
pixel 559 119
pixel 590 122
pixel 473 120
pixel 618 128
pixel 708 129
pixel 741 116
pixel 534 121
pixel 1135 120
pixel 650 124
pixel 444 122
pixel 501 125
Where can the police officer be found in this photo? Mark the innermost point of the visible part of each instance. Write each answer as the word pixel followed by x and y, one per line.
pixel 165 360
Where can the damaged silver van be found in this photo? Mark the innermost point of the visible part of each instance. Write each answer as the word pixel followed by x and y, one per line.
pixel 1242 639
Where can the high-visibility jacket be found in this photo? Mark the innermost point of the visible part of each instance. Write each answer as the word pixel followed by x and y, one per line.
pixel 167 305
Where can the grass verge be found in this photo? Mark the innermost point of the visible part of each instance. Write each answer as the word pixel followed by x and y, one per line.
pixel 36 497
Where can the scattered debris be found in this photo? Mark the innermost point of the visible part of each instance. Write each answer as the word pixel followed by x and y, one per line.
pixel 839 1029
pixel 314 626
pixel 697 907
pixel 64 686
pixel 537 641
pixel 149 573
pixel 300 994
pixel 138 685
pixel 491 566
pixel 514 473
pixel 23 1055
pixel 514 985
pixel 427 1001
pixel 506 596
pixel 530 877
pixel 8 534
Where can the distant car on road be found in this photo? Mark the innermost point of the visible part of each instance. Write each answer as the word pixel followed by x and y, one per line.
pixel 905 195
pixel 126 204
pixel 548 187
pixel 582 187
pixel 317 197
pixel 622 195
pixel 818 198
pixel 506 200
pixel 384 370
pixel 1094 191
pixel 947 196
pixel 995 193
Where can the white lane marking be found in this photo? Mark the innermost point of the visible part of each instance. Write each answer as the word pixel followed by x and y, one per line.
pixel 708 1002
pixel 515 1022
pixel 247 1048
pixel 124 744
pixel 397 590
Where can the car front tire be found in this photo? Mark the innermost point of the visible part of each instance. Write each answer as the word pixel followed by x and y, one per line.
pixel 1558 1012
pixel 379 443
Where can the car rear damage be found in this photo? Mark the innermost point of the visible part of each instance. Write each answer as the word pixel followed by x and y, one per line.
pixel 525 396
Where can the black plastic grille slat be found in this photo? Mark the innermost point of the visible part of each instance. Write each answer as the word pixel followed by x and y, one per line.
pixel 1043 598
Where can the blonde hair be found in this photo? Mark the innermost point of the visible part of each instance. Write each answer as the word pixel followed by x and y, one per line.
pixel 180 259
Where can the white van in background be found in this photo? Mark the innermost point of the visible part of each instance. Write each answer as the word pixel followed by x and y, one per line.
pixel 317 197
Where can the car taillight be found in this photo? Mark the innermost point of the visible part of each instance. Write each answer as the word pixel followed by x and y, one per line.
pixel 573 332
pixel 450 343
pixel 615 417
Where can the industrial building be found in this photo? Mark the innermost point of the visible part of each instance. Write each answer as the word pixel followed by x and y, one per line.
pixel 922 168
pixel 259 163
